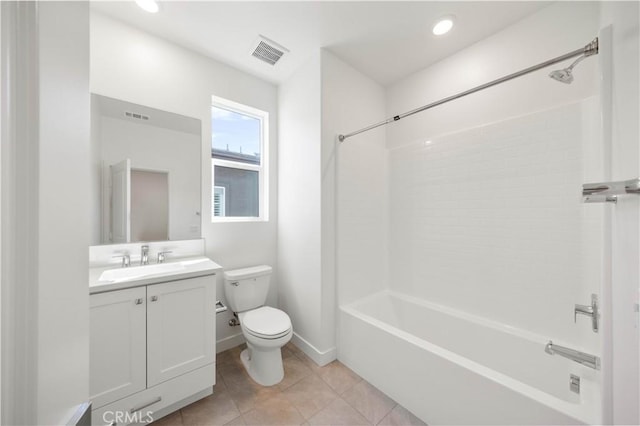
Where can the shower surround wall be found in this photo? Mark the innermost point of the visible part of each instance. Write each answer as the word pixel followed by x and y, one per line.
pixel 484 209
pixel 489 219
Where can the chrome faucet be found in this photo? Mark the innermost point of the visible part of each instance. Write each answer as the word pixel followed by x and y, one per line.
pixel 144 255
pixel 590 311
pixel 126 260
pixel 162 256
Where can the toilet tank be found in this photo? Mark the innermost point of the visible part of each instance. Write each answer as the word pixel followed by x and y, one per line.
pixel 247 288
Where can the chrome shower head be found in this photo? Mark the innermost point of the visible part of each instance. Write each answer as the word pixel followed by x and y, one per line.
pixel 565 75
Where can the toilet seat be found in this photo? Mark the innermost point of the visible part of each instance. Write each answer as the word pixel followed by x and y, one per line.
pixel 266 323
pixel 268 337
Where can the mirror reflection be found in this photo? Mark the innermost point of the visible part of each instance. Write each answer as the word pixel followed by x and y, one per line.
pixel 146 168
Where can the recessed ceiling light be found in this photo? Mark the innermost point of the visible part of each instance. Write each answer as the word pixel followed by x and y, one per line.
pixel 443 26
pixel 150 6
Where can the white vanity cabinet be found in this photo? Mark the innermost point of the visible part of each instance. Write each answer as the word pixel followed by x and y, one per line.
pixel 152 347
pixel 118 351
pixel 180 328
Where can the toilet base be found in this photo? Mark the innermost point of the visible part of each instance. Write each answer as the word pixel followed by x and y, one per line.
pixel 264 367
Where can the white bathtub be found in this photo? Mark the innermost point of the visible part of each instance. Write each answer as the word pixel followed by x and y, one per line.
pixel 448 367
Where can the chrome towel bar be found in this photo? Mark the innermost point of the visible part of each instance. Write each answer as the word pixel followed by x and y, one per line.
pixel 587 360
pixel 609 191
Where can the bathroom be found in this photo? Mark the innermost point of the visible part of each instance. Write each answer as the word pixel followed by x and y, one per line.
pixel 469 215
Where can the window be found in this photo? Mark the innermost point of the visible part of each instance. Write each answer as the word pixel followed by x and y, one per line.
pixel 239 137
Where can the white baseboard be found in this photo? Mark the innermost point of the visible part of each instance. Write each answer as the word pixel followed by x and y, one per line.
pixel 229 342
pixel 320 357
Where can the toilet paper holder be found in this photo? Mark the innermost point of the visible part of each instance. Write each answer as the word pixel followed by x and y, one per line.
pixel 220 307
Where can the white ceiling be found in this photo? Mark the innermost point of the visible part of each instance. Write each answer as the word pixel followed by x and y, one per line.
pixel 386 40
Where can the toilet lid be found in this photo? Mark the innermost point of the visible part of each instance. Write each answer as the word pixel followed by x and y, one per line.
pixel 266 321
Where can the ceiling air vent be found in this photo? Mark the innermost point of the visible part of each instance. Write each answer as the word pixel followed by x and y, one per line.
pixel 268 50
pixel 136 115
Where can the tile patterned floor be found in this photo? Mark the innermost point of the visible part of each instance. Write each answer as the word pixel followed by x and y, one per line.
pixel 308 395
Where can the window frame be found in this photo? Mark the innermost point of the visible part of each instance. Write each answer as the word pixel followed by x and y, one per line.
pixel 262 168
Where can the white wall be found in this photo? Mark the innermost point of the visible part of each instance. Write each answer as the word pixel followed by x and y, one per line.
pixel 622 131
pixel 350 101
pixel 332 197
pixel 134 66
pixel 63 202
pixel 555 30
pixel 300 202
pixel 95 167
pixel 2 114
pixel 19 210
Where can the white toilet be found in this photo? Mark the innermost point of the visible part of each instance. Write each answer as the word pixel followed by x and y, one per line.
pixel 265 329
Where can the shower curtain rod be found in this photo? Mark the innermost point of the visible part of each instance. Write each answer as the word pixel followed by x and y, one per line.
pixel 588 50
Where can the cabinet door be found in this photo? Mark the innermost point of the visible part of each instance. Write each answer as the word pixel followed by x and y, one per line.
pixel 117 344
pixel 180 327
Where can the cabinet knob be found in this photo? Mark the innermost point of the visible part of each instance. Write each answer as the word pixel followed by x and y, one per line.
pixel 139 301
pixel 154 298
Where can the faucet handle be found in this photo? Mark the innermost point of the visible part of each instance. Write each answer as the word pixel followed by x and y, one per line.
pixel 583 310
pixel 161 256
pixel 126 259
pixel 590 311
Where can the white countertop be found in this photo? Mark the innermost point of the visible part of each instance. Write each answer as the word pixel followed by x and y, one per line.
pixel 190 267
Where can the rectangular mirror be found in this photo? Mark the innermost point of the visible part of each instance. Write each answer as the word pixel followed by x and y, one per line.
pixel 146 173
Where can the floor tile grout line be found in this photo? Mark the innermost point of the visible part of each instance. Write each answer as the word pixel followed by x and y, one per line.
pixel 387 414
pixel 312 372
pixel 337 396
pixel 356 410
pixel 363 414
pixel 233 401
pixel 350 387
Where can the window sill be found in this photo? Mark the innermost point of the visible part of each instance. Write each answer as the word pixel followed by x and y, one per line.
pixel 238 219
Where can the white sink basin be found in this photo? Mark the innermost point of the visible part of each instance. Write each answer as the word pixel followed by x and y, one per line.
pixel 103 279
pixel 137 272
